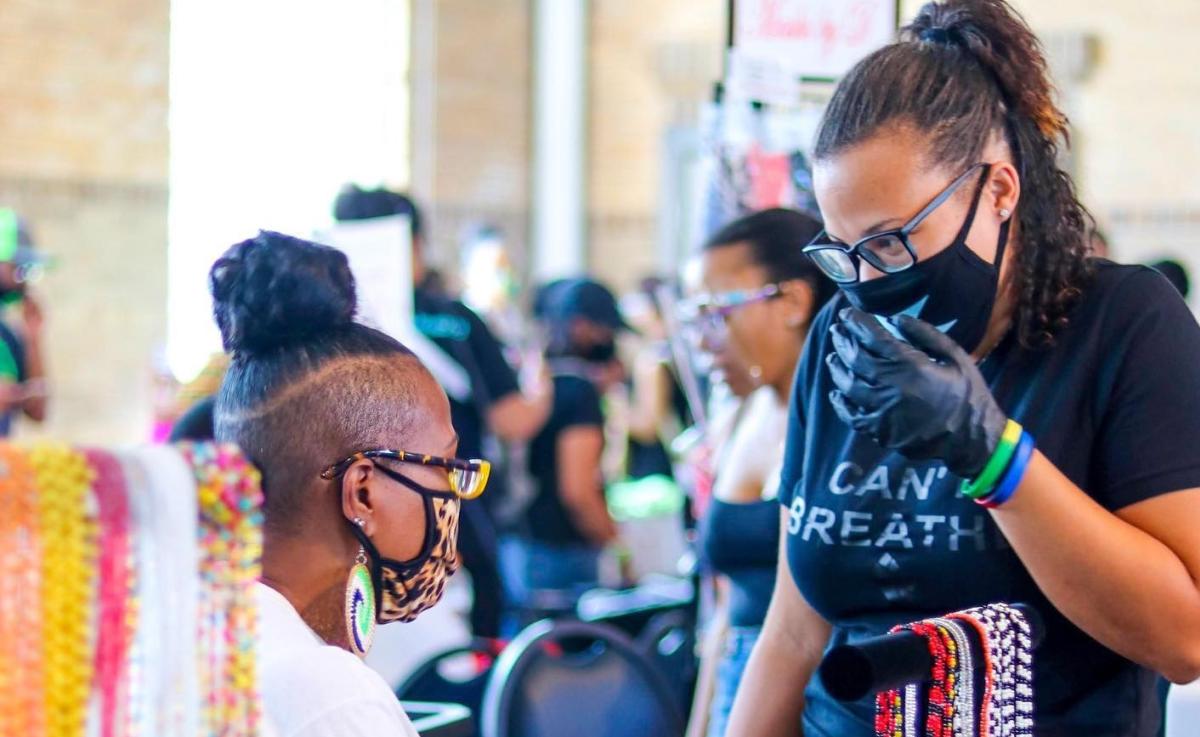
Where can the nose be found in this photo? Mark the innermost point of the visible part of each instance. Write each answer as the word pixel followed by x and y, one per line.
pixel 711 342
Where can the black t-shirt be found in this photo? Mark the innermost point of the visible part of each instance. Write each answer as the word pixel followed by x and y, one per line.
pixel 458 331
pixel 576 404
pixel 12 370
pixel 874 540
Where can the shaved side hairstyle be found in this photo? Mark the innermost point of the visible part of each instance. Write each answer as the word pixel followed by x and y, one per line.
pixel 307 385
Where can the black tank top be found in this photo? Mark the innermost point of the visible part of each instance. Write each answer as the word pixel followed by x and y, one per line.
pixel 742 542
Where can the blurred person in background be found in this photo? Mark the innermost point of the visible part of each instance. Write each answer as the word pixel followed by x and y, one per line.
pixel 497 404
pixel 566 525
pixel 196 399
pixel 762 295
pixel 22 369
pixel 658 409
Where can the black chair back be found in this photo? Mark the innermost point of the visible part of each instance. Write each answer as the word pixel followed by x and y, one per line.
pixel 456 676
pixel 579 679
pixel 669 640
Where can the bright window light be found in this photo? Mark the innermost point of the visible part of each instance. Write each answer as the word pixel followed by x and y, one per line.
pixel 274 105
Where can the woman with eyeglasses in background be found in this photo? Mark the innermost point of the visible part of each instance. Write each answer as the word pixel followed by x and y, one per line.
pixel 984 415
pixel 761 295
pixel 353 438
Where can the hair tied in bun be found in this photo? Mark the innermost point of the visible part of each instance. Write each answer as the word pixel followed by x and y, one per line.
pixel 939 36
pixel 275 290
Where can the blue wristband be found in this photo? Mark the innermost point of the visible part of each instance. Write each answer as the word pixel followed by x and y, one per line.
pixel 1014 474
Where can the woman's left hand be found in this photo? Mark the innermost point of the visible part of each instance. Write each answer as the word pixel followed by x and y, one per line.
pixel 921 396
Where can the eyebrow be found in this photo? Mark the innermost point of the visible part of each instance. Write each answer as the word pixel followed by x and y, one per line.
pixel 887 224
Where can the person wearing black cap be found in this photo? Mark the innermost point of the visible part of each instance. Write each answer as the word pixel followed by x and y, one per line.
pixel 566 525
pixel 496 405
pixel 22 371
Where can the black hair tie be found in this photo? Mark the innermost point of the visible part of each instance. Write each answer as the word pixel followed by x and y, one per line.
pixel 937 36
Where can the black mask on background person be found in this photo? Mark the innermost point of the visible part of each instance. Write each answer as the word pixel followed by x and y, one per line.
pixel 599 353
pixel 954 291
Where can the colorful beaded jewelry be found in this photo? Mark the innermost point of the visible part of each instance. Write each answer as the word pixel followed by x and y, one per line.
pixel 1006 707
pixel 962 676
pixel 144 580
pixel 360 604
pixel 1005 635
pixel 898 716
pixel 230 507
pixel 21 707
pixel 113 632
pixel 67 511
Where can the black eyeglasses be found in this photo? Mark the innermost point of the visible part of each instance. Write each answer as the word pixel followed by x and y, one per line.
pixel 889 252
pixel 468 479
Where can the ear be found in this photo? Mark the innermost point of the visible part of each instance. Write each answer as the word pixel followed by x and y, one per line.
pixel 1004 188
pixel 356 491
pixel 797 301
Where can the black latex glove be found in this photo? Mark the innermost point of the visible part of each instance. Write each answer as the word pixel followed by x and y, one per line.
pixel 924 399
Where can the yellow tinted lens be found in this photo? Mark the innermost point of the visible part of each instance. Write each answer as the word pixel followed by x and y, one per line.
pixel 470 483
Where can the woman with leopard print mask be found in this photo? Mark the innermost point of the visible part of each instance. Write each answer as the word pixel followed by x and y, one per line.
pixel 353 437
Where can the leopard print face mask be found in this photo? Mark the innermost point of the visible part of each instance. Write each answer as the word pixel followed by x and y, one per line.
pixel 405 589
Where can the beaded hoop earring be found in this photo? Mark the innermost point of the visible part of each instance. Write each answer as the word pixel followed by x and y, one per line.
pixel 360 603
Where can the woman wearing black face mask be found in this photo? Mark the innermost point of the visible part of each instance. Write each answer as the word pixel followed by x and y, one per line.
pixel 566 525
pixel 976 355
pixel 354 441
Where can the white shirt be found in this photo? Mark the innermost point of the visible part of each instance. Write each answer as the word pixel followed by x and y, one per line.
pixel 311 689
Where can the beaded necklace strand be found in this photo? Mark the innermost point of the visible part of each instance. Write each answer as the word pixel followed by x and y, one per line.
pixel 113 636
pixel 67 512
pixel 230 503
pixel 21 708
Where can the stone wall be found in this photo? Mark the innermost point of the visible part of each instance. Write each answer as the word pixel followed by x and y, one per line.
pixel 84 158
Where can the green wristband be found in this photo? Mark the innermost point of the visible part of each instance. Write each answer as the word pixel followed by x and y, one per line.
pixel 982 485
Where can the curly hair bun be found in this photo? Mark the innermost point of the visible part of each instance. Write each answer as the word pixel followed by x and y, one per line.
pixel 275 290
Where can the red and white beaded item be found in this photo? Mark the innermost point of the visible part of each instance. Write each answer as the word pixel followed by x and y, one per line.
pixel 896 715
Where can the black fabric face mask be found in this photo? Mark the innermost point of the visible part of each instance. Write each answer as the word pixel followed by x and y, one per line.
pixel 599 353
pixel 954 290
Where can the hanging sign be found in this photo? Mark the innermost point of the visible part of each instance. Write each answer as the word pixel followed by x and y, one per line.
pixel 811 38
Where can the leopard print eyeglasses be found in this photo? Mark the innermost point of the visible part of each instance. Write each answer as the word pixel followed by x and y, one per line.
pixel 468 478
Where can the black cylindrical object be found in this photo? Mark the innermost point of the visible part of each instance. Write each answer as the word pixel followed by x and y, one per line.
pixel 850 672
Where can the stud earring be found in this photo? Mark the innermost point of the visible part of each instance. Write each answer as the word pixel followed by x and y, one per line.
pixel 1005 213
